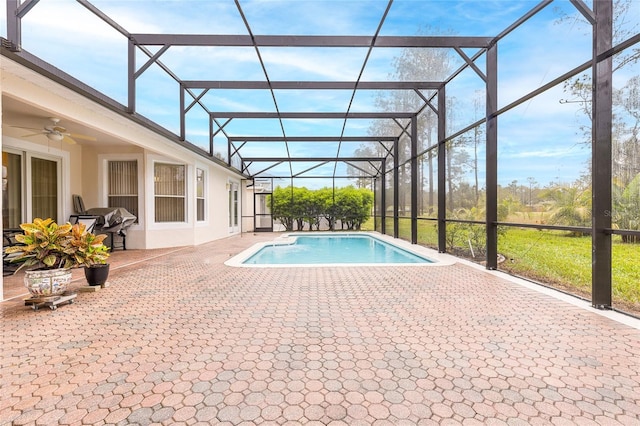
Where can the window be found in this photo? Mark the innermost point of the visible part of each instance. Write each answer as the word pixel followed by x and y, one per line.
pixel 11 190
pixel 200 213
pixel 169 190
pixel 32 181
pixel 44 188
pixel 233 207
pixel 122 190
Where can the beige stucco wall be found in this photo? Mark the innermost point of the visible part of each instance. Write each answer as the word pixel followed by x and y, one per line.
pixel 248 224
pixel 83 169
pixel 216 224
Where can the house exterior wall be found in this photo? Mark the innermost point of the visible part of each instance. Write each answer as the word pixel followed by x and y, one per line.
pixel 83 164
pixel 248 224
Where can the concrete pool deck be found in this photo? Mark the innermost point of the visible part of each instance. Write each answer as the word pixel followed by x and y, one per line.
pixel 181 338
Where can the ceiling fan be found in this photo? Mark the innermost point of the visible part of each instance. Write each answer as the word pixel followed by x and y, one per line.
pixel 57 133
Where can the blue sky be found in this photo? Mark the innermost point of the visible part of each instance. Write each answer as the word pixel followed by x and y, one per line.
pixel 539 139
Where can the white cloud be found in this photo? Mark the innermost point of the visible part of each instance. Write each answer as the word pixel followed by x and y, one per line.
pixel 325 17
pixel 313 63
pixel 562 152
pixel 67 20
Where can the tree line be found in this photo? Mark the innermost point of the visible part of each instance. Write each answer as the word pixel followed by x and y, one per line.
pixel 300 208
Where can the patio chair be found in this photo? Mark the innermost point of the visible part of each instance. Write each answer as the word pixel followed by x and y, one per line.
pixel 81 215
pixel 78 204
pixel 89 221
pixel 112 221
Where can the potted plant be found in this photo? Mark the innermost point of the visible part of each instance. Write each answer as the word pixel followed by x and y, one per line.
pixel 49 251
pixel 90 252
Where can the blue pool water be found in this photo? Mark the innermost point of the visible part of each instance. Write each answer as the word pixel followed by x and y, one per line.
pixel 319 249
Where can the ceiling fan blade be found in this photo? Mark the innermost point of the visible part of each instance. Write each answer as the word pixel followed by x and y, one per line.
pixel 69 140
pixel 84 137
pixel 27 128
pixel 33 134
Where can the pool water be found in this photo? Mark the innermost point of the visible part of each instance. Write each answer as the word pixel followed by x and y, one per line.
pixel 319 249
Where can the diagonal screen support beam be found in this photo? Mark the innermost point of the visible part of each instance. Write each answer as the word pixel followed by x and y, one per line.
pixel 299 174
pixel 221 127
pixel 232 146
pixel 244 167
pixel 196 100
pixel 404 129
pixel 584 10
pixel 378 168
pixel 427 101
pixel 389 150
pixel 363 170
pixel 471 63
pixel 150 61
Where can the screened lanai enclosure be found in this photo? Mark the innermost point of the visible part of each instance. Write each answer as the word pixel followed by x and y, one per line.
pixel 503 132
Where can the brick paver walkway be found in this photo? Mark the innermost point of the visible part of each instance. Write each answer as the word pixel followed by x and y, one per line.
pixel 184 339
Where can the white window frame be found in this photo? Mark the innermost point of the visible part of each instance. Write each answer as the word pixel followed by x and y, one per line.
pixel 231 186
pixel 204 197
pixel 29 150
pixel 150 200
pixel 103 190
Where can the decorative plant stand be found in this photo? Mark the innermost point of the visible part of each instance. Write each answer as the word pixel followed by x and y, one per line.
pixel 51 302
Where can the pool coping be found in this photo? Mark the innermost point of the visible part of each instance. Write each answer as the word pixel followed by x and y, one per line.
pixel 439 259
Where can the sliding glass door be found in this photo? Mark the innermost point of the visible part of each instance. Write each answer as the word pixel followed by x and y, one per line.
pixel 44 188
pixel 12 190
pixel 30 188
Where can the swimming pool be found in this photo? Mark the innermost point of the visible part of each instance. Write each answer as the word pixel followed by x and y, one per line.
pixel 333 249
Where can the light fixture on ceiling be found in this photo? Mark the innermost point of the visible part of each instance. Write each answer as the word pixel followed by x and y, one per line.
pixel 57 137
pixel 57 133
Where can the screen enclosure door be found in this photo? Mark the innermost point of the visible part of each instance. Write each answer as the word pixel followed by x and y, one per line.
pixel 263 220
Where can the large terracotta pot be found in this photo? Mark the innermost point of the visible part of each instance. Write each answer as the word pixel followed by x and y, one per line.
pixel 47 282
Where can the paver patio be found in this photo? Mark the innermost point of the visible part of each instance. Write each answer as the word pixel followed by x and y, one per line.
pixel 183 339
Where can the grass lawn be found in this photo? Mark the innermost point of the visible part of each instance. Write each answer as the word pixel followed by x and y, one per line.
pixel 555 258
pixel 626 273
pixel 549 257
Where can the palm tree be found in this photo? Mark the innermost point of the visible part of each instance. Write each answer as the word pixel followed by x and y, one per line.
pixel 626 204
pixel 571 206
